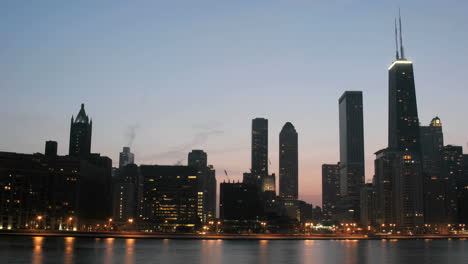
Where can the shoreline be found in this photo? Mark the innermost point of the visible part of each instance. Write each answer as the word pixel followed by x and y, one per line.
pixel 142 235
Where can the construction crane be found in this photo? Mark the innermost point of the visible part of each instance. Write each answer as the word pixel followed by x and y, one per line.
pixel 227 175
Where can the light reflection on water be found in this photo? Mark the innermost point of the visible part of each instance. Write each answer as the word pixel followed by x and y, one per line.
pixel 37 250
pixel 69 250
pixel 68 256
pixel 109 249
pixel 130 251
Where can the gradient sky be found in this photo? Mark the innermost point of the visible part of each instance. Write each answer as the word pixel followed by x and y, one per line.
pixel 189 74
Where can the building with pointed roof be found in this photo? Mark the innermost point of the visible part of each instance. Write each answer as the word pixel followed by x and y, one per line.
pixel 80 134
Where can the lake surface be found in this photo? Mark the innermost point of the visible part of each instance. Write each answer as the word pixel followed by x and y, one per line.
pixel 67 250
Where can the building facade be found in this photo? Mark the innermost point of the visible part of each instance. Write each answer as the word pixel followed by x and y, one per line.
pixel 53 192
pixel 198 159
pixel 239 201
pixel 432 143
pixel 170 199
pixel 330 190
pixel 404 138
pixel 80 134
pixel 288 163
pixel 259 168
pixel 351 149
pixel 126 193
pixel 126 157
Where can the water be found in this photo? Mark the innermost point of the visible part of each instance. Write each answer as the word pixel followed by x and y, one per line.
pixel 67 250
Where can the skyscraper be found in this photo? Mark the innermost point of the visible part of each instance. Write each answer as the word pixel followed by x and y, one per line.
pixel 126 193
pixel 126 157
pixel 404 137
pixel 170 195
pixel 383 181
pixel 462 193
pixel 198 159
pixel 351 149
pixel 80 134
pixel 330 190
pixel 259 149
pixel 432 142
pixel 453 177
pixel 288 162
pixel 403 121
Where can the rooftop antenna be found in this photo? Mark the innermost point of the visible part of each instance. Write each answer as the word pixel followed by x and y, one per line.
pixel 396 41
pixel 402 51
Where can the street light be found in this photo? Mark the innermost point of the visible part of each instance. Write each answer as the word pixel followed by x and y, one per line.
pixel 39 218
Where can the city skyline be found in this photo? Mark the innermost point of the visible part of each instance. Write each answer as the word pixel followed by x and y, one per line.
pixel 159 135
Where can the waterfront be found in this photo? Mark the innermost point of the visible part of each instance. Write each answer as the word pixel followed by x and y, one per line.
pixel 35 249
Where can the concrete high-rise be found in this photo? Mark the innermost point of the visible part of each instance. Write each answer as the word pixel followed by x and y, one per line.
pixel 126 157
pixel 351 150
pixel 80 134
pixel 288 162
pixel 259 149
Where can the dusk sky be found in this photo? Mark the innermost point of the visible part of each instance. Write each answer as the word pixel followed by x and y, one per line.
pixel 188 75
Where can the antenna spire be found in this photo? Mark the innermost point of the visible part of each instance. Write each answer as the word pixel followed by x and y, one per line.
pixel 402 51
pixel 396 41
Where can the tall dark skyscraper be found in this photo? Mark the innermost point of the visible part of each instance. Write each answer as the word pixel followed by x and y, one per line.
pixel 259 149
pixel 330 190
pixel 385 167
pixel 462 194
pixel 432 142
pixel 126 157
pixel 403 121
pixel 80 135
pixel 198 159
pixel 453 176
pixel 404 137
pixel 288 162
pixel 351 149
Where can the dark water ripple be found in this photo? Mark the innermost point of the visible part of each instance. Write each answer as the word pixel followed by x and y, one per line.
pixel 45 250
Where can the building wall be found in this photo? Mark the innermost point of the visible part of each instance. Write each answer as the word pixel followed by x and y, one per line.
pixel 288 163
pixel 170 197
pixel 53 188
pixel 330 190
pixel 351 149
